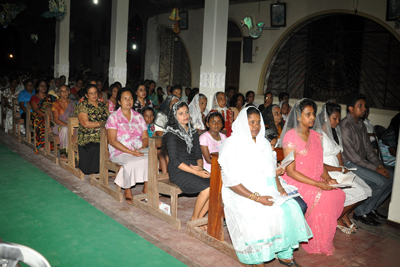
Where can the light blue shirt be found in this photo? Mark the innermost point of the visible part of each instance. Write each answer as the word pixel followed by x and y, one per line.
pixel 24 96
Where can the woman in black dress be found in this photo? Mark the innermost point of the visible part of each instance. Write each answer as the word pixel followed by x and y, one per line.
pixel 185 167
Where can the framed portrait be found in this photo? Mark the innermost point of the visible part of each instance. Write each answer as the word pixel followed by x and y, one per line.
pixel 278 15
pixel 392 9
pixel 184 22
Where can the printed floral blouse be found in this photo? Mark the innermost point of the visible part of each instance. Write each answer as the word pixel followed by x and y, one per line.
pixel 99 114
pixel 137 106
pixel 129 133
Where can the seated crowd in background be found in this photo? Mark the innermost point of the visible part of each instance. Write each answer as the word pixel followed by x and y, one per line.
pixel 325 148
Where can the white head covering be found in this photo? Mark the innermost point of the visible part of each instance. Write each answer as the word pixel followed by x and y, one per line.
pixel 215 105
pixel 323 126
pixel 196 114
pixel 291 122
pixel 240 156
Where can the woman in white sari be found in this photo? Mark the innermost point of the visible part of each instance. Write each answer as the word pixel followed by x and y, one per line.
pixel 327 124
pixel 259 227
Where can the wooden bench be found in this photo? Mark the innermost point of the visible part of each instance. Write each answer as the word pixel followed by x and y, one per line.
pixel 158 184
pixel 17 121
pixel 101 180
pixel 50 137
pixel 3 113
pixel 70 166
pixel 215 230
pixel 30 133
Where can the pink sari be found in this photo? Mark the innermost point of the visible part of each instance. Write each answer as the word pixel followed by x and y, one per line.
pixel 324 207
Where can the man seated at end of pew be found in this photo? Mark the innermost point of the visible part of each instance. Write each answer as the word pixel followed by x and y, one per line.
pixel 61 110
pixel 24 97
pixel 185 167
pixel 127 135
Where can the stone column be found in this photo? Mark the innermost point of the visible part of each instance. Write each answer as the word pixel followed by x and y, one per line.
pixel 61 50
pixel 118 46
pixel 215 27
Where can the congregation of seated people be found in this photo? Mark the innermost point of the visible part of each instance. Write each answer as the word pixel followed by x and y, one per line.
pixel 301 202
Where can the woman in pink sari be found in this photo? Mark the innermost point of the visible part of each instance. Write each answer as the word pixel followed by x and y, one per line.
pixel 307 173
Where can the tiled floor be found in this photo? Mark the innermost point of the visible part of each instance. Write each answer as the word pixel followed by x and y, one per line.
pixel 371 246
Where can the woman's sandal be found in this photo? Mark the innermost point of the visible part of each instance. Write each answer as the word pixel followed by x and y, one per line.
pixel 344 229
pixel 353 225
pixel 292 263
pixel 128 199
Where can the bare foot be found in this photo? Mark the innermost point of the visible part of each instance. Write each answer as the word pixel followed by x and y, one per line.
pixel 203 227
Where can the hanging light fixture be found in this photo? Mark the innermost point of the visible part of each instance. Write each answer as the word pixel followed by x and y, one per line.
pixel 95 2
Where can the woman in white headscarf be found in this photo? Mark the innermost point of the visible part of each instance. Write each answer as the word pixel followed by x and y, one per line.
pixel 259 227
pixel 198 111
pixel 327 124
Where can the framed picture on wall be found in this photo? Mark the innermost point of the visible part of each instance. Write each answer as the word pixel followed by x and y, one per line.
pixel 392 9
pixel 184 22
pixel 278 15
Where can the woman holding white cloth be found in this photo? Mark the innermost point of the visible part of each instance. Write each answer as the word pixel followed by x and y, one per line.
pixel 258 228
pixel 327 124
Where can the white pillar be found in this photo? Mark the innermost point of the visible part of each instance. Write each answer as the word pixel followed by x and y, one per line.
pixel 61 50
pixel 152 58
pixel 394 206
pixel 119 36
pixel 215 28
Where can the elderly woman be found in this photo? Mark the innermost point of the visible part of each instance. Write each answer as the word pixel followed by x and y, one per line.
pixel 308 174
pixel 219 104
pixel 8 97
pixel 61 110
pixel 273 119
pixel 127 135
pixel 185 167
pixel 268 99
pixel 39 102
pixel 327 124
pixel 91 114
pixel 259 227
pixel 284 106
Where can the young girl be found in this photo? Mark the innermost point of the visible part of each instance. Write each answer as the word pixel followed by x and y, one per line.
pixel 198 111
pixel 148 114
pixel 211 140
pixel 219 105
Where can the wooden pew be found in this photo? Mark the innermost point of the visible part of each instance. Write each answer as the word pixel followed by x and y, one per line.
pixel 3 113
pixel 215 230
pixel 158 184
pixel 16 122
pixel 49 137
pixel 101 180
pixel 70 166
pixel 30 133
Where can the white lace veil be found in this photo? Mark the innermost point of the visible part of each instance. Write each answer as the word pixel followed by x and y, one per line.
pixel 323 126
pixel 215 105
pixel 291 121
pixel 176 128
pixel 195 113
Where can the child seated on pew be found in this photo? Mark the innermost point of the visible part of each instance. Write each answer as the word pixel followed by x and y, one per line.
pixel 290 190
pixel 211 140
pixel 149 114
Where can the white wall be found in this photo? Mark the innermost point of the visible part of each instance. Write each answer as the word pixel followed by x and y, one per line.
pixel 394 210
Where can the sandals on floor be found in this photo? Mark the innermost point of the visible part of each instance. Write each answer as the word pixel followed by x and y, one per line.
pixel 353 226
pixel 292 263
pixel 344 229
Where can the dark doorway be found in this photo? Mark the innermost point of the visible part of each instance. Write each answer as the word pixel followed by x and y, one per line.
pixel 135 49
pixel 233 55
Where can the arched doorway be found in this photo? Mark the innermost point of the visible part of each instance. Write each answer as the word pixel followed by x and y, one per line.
pixel 233 53
pixel 135 49
pixel 331 55
pixel 174 60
